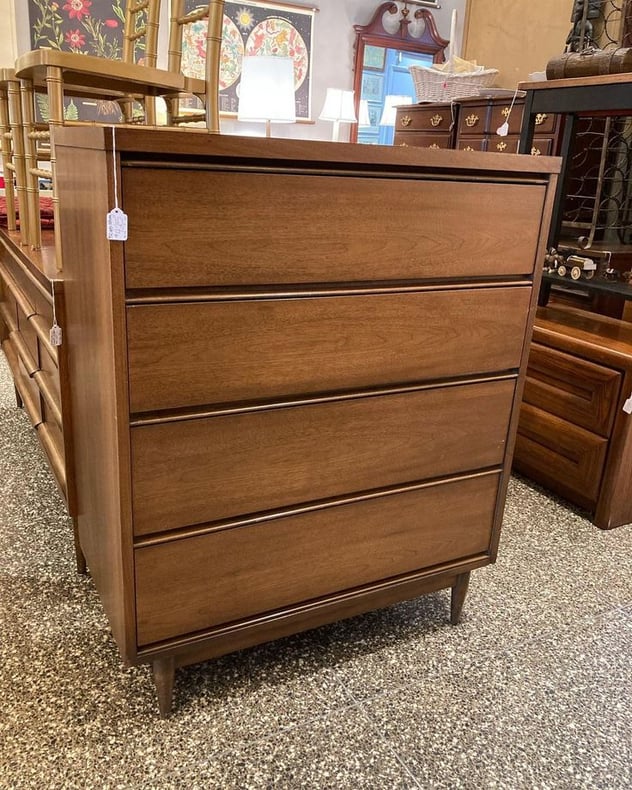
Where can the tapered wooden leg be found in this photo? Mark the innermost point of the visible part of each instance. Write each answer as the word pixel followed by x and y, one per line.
pixel 164 670
pixel 459 591
pixel 80 559
pixel 18 399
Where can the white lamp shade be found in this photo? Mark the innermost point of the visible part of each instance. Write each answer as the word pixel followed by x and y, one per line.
pixel 364 119
pixel 266 91
pixel 391 102
pixel 338 106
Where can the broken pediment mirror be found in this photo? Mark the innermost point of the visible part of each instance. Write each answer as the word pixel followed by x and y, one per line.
pixel 400 34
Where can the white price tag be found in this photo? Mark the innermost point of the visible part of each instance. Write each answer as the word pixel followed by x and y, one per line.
pixel 117 225
pixel 55 335
pixel 627 406
pixel 503 130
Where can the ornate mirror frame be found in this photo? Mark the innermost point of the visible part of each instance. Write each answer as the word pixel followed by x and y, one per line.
pixel 429 41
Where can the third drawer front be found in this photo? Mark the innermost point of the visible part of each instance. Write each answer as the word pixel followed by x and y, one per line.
pixel 203 581
pixel 200 470
pixel 183 355
pixel 560 455
pixel 423 139
pixel 572 388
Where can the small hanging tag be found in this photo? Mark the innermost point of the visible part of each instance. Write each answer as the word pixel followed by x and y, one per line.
pixel 503 130
pixel 627 406
pixel 55 335
pixel 117 225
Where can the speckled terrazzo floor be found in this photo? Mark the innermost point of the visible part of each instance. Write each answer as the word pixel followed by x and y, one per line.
pixel 532 690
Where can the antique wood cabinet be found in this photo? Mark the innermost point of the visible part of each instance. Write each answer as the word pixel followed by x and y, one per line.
pixel 296 383
pixel 472 124
pixel 426 125
pixel 574 436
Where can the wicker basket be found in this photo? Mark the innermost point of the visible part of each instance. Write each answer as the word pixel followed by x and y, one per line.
pixel 434 85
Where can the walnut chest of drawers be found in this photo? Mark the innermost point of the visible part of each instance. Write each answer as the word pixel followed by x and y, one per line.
pixel 574 436
pixel 300 377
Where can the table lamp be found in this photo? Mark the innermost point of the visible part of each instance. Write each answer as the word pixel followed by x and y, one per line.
pixel 266 92
pixel 338 108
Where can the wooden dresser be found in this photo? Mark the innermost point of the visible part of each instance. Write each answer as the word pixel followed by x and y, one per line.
pixel 471 125
pixel 299 376
pixel 31 292
pixel 574 436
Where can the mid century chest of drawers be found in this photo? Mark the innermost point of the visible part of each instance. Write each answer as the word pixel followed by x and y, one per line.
pixel 300 377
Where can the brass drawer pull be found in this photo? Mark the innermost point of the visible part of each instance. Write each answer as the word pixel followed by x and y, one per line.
pixel 536 151
pixel 540 118
pixel 469 148
pixel 434 145
pixel 472 120
pixel 505 112
pixel 406 120
pixel 502 146
pixel 436 120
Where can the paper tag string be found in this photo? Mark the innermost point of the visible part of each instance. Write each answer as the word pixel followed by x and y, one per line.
pixel 55 334
pixel 116 220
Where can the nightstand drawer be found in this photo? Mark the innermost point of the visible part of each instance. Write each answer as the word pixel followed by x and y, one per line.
pixel 425 118
pixel 200 470
pixel 250 239
pixel 570 387
pixel 503 145
pixel 542 146
pixel 473 119
pixel 423 139
pixel 184 355
pixel 248 570
pixel 472 143
pixel 503 113
pixel 560 455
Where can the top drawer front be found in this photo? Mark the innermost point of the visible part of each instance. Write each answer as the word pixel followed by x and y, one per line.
pixel 183 355
pixel 473 119
pixel 502 113
pixel 429 118
pixel 232 228
pixel 197 471
pixel 572 388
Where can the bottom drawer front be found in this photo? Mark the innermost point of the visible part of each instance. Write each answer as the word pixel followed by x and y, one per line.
pixel 560 455
pixel 472 143
pixel 199 582
pixel 219 467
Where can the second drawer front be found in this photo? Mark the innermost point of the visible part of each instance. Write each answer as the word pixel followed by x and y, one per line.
pixel 199 582
pixel 423 139
pixel 196 471
pixel 193 354
pixel 572 388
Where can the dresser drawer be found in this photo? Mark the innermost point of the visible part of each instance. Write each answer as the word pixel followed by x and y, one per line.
pixel 503 113
pixel 423 139
pixel 579 391
pixel 472 143
pixel 199 582
pixel 183 355
pixel 237 229
pixel 503 145
pixel 562 456
pixel 200 470
pixel 543 146
pixel 545 123
pixel 425 118
pixel 473 119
